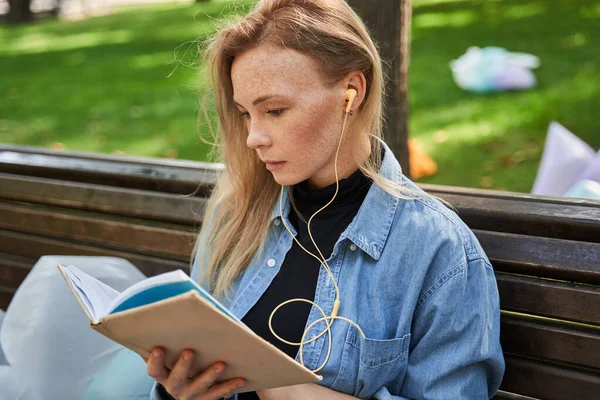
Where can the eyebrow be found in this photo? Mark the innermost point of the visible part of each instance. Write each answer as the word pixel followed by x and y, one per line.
pixel 259 100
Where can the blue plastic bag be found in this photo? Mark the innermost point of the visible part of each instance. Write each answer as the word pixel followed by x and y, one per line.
pixel 494 69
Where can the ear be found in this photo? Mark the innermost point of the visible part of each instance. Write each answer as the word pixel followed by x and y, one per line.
pixel 356 80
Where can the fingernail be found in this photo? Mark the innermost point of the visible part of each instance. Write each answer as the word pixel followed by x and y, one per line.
pixel 156 354
pixel 239 385
pixel 187 356
pixel 219 369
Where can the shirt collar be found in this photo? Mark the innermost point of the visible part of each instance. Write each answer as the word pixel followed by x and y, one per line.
pixel 370 228
pixel 285 210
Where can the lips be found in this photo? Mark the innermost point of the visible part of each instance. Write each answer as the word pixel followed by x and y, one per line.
pixel 274 165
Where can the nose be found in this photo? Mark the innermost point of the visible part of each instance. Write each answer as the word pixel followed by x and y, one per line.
pixel 257 137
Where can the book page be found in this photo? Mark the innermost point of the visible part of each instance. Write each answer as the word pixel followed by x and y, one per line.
pixel 161 287
pixel 146 284
pixel 95 295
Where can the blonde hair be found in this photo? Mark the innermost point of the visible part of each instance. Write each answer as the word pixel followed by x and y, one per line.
pixel 245 194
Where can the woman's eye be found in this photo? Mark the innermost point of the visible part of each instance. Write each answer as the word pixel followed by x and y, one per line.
pixel 276 112
pixel 245 114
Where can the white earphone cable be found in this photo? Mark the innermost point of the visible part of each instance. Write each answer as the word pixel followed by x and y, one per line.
pixel 336 304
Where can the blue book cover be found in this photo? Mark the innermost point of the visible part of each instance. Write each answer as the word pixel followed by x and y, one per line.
pixel 165 291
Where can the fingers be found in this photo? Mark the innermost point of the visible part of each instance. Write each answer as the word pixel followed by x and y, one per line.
pixel 223 390
pixel 156 368
pixel 179 374
pixel 202 387
pixel 204 380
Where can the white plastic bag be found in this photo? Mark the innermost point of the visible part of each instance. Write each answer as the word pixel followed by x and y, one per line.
pixel 585 189
pixel 564 160
pixel 46 336
pixel 494 69
pixel 592 171
pixel 13 386
pixel 124 377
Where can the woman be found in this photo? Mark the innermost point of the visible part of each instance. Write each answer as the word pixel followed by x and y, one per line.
pixel 299 92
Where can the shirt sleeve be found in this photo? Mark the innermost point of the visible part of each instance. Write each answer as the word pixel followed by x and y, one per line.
pixel 455 350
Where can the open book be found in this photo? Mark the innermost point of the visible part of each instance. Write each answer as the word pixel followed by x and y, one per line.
pixel 173 312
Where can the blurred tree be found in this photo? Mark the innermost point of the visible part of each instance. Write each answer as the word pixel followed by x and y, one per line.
pixel 389 22
pixel 19 11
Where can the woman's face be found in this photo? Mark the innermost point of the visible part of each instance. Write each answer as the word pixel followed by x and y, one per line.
pixel 294 120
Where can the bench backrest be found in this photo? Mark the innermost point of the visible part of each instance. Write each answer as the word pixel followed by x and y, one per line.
pixel 545 251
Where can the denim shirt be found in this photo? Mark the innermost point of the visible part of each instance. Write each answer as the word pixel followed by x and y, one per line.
pixel 413 276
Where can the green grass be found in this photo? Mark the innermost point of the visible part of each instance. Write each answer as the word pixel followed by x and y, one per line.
pixel 123 83
pixel 126 83
pixel 497 140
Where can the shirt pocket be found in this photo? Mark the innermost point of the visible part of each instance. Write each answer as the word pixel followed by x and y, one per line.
pixel 368 364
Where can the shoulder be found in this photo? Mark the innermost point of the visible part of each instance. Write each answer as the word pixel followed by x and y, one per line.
pixel 433 221
pixel 437 245
pixel 420 221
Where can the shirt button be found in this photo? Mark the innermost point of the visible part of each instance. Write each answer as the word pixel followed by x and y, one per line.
pixel 271 262
pixel 353 247
pixel 277 222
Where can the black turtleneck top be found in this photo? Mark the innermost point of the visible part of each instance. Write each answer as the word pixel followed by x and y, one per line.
pixel 298 275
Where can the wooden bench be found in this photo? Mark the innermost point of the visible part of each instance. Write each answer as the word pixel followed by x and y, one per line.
pixel 545 251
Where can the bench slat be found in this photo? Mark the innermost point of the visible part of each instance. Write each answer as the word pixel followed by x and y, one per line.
pixel 546 381
pixel 102 231
pixel 502 395
pixel 553 299
pixel 34 246
pixel 550 340
pixel 551 258
pixel 97 198
pixel 12 272
pixel 172 176
pixel 6 295
pixel 525 214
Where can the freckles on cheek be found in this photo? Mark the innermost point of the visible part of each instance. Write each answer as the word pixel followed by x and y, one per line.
pixel 309 147
pixel 305 140
pixel 318 124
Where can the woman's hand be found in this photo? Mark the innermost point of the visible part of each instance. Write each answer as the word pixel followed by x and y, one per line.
pixel 201 387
